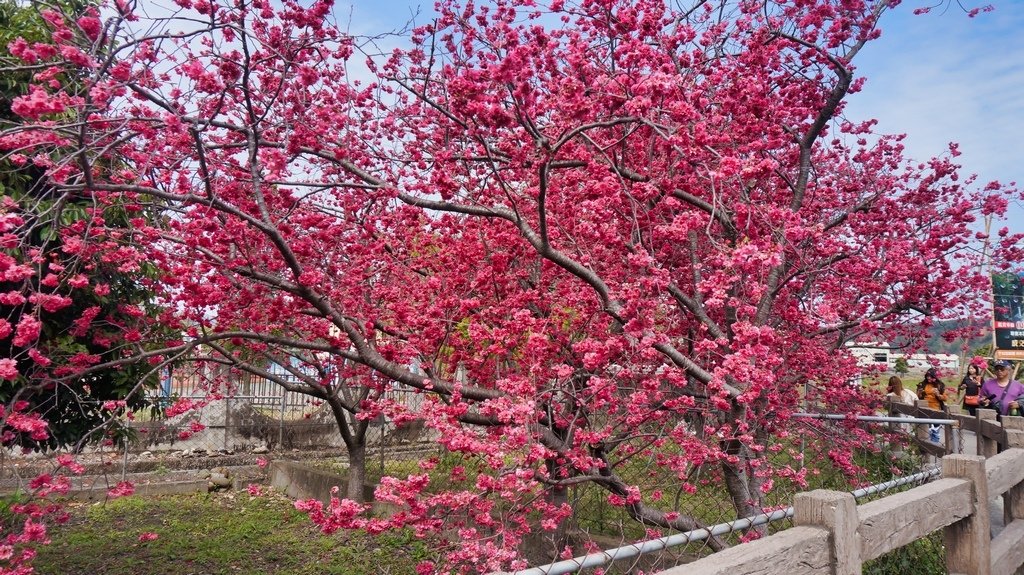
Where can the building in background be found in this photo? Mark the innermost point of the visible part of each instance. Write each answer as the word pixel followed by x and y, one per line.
pixel 880 356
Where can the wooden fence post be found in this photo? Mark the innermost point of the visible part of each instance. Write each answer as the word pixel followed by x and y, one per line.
pixel 968 545
pixel 1013 500
pixel 952 447
pixel 837 512
pixel 1013 422
pixel 986 445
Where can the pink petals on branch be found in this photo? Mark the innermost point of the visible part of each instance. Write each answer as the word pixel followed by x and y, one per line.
pixel 38 103
pixel 8 369
pixel 633 263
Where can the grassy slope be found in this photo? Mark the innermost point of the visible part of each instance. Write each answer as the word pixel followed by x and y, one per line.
pixel 215 534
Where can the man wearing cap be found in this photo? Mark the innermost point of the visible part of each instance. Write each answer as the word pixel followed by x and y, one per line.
pixel 1001 392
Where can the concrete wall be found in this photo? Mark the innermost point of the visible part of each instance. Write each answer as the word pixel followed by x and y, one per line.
pixel 302 481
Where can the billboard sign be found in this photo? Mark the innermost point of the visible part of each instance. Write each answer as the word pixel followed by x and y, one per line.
pixel 1008 314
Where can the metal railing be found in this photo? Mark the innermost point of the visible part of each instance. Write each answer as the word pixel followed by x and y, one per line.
pixel 629 551
pixel 873 418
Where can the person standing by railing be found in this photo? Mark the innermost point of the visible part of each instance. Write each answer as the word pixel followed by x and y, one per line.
pixel 970 389
pixel 933 390
pixel 1001 392
pixel 896 392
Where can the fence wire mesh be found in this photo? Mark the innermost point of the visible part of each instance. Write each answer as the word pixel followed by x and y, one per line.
pixel 635 552
pixel 809 451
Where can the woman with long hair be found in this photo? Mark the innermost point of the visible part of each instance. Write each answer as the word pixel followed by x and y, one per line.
pixel 970 389
pixel 896 392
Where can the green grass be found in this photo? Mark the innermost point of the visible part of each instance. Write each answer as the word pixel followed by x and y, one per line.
pixel 925 556
pixel 910 381
pixel 216 534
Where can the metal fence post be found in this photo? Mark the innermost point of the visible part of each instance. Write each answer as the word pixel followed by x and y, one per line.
pixel 124 462
pixel 227 420
pixel 280 424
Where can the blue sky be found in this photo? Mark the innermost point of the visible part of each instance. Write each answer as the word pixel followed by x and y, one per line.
pixel 942 77
pixel 938 77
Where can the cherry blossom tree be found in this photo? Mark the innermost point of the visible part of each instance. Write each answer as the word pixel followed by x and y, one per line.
pixel 37 313
pixel 587 234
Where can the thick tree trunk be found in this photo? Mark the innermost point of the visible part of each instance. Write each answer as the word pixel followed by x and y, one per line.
pixel 356 472
pixel 543 546
pixel 354 436
pixel 743 485
pixel 746 498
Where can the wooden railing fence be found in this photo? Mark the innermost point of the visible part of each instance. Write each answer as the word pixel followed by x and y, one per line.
pixel 834 535
pixel 989 433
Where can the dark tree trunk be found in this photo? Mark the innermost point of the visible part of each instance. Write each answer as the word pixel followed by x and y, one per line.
pixel 743 485
pixel 353 433
pixel 356 472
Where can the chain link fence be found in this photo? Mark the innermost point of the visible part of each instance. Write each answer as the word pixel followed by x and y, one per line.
pixel 809 460
pixel 254 413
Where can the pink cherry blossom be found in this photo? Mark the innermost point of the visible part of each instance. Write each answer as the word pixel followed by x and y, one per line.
pixel 561 237
pixel 8 369
pixel 122 489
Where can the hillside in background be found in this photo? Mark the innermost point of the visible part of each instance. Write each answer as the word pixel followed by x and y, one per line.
pixel 938 344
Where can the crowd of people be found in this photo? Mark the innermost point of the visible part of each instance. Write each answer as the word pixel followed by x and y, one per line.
pixel 1000 392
